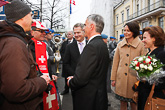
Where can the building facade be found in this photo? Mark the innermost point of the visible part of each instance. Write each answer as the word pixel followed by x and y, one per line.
pixel 105 9
pixel 144 12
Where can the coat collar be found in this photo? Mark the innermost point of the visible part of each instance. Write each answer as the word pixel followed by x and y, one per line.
pixel 134 43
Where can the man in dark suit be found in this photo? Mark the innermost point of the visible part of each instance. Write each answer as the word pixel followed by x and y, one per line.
pixel 62 52
pixel 74 50
pixel 89 81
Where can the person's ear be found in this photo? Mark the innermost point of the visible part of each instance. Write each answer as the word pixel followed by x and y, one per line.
pixel 92 26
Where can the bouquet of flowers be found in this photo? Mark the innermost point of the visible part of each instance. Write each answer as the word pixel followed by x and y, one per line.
pixel 148 68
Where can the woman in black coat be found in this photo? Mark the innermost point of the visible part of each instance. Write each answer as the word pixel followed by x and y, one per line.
pixel 154 39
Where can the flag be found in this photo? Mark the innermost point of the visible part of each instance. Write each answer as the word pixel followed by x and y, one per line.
pixel 71 2
pixel 70 9
pixel 2 2
pixel 50 99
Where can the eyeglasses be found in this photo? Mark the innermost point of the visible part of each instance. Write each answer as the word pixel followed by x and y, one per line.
pixel 41 31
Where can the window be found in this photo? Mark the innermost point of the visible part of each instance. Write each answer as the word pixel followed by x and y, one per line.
pixel 145 24
pixel 148 5
pixel 161 22
pixel 117 20
pixel 137 9
pixel 117 34
pixel 127 13
pixel 122 14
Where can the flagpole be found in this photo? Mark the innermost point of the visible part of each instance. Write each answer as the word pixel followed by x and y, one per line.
pixel 69 17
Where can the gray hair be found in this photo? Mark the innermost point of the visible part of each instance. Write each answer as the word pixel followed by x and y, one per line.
pixel 81 25
pixel 70 31
pixel 98 22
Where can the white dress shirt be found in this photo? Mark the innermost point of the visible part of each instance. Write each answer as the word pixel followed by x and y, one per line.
pixel 83 44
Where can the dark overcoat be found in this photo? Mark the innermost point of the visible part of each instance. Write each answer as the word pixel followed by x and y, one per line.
pixel 89 82
pixel 62 52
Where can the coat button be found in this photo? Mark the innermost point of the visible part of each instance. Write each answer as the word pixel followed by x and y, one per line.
pixel 126 64
pixel 127 55
pixel 126 74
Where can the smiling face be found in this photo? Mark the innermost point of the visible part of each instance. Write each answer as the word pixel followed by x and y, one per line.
pixel 147 40
pixel 127 33
pixel 38 34
pixel 78 34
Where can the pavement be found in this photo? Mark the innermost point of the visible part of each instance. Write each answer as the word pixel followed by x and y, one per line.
pixel 66 100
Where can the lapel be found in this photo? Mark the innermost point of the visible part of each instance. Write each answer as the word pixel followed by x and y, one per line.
pixel 75 48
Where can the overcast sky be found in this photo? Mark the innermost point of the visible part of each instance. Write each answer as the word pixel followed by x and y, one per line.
pixel 80 11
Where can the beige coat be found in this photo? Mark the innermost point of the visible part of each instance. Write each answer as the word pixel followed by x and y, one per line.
pixel 121 73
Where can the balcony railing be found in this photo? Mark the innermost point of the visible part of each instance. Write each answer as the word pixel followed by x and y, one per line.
pixel 157 5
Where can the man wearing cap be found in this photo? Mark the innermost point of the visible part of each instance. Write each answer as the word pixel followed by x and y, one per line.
pixel 104 37
pixel 121 37
pixel 41 57
pixel 52 59
pixel 20 88
pixel 112 44
pixel 52 44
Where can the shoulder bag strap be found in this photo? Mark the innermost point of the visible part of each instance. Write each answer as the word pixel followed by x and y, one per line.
pixel 152 92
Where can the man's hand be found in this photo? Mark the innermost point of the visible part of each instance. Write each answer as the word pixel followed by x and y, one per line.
pixel 46 77
pixel 54 77
pixel 69 78
pixel 113 83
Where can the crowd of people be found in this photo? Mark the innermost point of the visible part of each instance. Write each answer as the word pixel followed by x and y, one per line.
pixel 92 62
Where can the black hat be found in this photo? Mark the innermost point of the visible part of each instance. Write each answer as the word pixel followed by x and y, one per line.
pixel 16 10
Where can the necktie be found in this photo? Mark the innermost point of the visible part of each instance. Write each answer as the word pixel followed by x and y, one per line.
pixel 81 47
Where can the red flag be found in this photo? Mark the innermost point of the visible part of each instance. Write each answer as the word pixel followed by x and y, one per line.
pixel 2 2
pixel 50 100
pixel 72 2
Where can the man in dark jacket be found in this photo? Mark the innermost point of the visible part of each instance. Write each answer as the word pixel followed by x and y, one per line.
pixel 20 88
pixel 62 52
pixel 52 58
pixel 89 81
pixel 74 50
